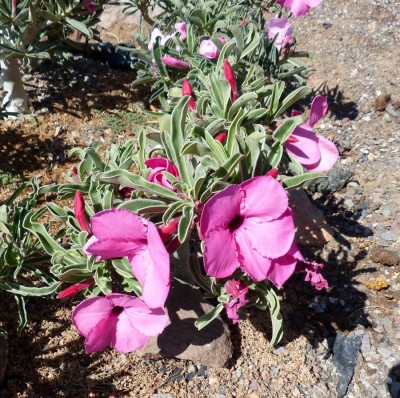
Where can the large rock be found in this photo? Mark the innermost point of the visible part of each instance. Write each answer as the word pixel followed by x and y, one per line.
pixel 312 228
pixel 3 354
pixel 210 346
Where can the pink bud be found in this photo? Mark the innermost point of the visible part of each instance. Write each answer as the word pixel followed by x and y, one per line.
pixel 74 289
pixel 187 90
pixel 79 211
pixel 166 231
pixel 175 63
pixel 221 137
pixel 243 22
pixel 208 49
pixel 273 173
pixel 231 78
pixel 181 27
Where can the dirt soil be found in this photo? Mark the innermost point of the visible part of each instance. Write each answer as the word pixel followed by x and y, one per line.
pixel 357 52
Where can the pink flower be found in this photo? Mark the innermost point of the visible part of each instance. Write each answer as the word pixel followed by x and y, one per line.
pixel 124 322
pixel 154 35
pixel 187 90
pixel 208 49
pixel 314 152
pixel 121 233
pixel 299 7
pixel 175 63
pixel 231 78
pixel 181 27
pixel 89 5
pixel 75 288
pixel 249 225
pixel 79 212
pixel 284 30
pixel 160 164
pixel 237 291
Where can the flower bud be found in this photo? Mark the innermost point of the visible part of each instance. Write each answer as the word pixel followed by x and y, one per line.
pixel 221 137
pixel 208 49
pixel 175 63
pixel 231 78
pixel 79 212
pixel 74 289
pixel 273 173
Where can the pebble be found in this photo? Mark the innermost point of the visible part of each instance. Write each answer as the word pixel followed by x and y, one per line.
pixel 380 255
pixel 280 350
pixel 384 351
pixel 388 235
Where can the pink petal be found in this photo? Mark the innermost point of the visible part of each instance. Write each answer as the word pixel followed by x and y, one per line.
pixel 329 156
pixel 220 258
pixel 271 239
pixel 319 108
pixel 313 3
pixel 125 337
pixel 151 323
pixel 152 269
pixel 101 335
pixel 113 248
pixel 118 224
pixel 221 209
pixel 281 269
pixel 298 8
pixel 90 312
pixel 251 261
pixel 90 241
pixel 306 149
pixel 263 197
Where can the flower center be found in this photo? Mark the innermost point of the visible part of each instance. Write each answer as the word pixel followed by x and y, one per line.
pixel 236 222
pixel 117 310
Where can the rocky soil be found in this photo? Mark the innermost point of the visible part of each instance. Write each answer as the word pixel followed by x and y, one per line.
pixel 353 327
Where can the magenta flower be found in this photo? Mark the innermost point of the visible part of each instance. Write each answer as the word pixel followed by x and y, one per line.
pixel 124 322
pixel 284 30
pixel 120 233
pixel 299 8
pixel 79 212
pixel 154 35
pixel 181 27
pixel 160 164
pixel 208 49
pixel 187 90
pixel 250 226
pixel 175 63
pixel 237 291
pixel 231 78
pixel 314 152
pixel 89 5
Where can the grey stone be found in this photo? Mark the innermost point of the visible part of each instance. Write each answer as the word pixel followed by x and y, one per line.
pixel 336 179
pixel 384 351
pixel 365 344
pixel 380 255
pixel 210 346
pixel 3 354
pixel 388 235
pixel 312 228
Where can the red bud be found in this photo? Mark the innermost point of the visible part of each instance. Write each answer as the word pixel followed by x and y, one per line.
pixel 166 231
pixel 221 137
pixel 231 78
pixel 273 173
pixel 187 90
pixel 79 211
pixel 74 289
pixel 292 139
pixel 173 245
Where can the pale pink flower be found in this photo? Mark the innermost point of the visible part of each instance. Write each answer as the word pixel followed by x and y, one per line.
pixel 208 49
pixel 175 63
pixel 299 7
pixel 120 233
pixel 79 212
pixel 160 164
pixel 124 322
pixel 237 291
pixel 284 30
pixel 250 226
pixel 154 35
pixel 314 152
pixel 181 27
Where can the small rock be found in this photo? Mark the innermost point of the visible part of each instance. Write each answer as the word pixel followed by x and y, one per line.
pixel 387 118
pixel 377 284
pixel 349 203
pixel 327 25
pixel 336 179
pixel 318 304
pixel 383 256
pixel 365 344
pixel 280 350
pixel 273 370
pixel 384 351
pixel 254 384
pixel 382 101
pixel 210 346
pixel 388 235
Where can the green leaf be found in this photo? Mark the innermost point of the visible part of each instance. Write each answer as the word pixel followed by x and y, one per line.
pixel 291 99
pixel 140 205
pixel 241 102
pixel 185 223
pixel 298 181
pixel 275 154
pixel 286 128
pixel 204 320
pixel 233 131
pixel 79 26
pixel 172 210
pixel 23 319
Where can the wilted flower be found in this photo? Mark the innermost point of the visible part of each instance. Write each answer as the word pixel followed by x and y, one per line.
pixel 181 27
pixel 75 288
pixel 208 49
pixel 175 62
pixel 231 78
pixel 159 165
pixel 284 30
pixel 314 152
pixel 237 291
pixel 249 226
pixel 120 233
pixel 124 322
pixel 79 212
pixel 187 90
pixel 299 7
